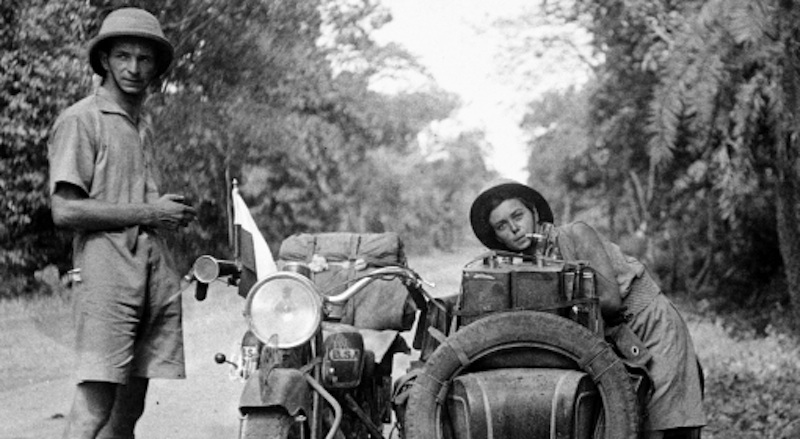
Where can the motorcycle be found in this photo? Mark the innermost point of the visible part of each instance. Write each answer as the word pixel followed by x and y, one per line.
pixel 313 366
pixel 521 352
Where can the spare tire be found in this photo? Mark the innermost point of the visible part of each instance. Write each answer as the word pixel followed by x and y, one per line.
pixel 523 330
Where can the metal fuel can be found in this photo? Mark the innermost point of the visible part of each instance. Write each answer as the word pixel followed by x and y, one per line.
pixel 587 284
pixel 590 315
pixel 568 284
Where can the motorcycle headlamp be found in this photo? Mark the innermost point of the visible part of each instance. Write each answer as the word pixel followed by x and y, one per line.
pixel 283 310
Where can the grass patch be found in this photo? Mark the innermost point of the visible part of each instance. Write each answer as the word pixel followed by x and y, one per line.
pixel 752 381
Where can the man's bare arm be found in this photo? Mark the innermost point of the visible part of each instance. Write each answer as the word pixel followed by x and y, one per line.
pixel 72 208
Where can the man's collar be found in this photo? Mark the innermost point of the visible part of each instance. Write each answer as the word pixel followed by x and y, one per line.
pixel 106 102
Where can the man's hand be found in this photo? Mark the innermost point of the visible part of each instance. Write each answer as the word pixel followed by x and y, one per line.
pixel 171 212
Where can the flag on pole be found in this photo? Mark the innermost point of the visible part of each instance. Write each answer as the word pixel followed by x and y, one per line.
pixel 254 252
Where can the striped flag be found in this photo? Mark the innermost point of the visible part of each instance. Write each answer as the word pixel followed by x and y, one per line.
pixel 256 258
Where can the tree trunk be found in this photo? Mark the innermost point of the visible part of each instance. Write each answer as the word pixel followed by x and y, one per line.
pixel 789 237
pixel 788 161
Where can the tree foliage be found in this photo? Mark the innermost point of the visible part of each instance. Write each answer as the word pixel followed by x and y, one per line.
pixel 431 195
pixel 562 162
pixel 41 71
pixel 692 109
pixel 727 103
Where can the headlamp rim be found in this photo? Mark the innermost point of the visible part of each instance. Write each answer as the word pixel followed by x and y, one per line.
pixel 304 281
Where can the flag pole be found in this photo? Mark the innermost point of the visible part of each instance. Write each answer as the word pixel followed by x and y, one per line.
pixel 233 231
pixel 229 206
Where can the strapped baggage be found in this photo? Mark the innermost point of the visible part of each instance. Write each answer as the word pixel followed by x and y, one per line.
pixel 336 259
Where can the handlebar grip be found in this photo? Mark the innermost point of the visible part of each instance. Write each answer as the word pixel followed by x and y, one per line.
pixel 201 291
pixel 417 294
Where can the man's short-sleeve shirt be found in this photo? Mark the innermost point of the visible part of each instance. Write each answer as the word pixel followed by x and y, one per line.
pixel 97 147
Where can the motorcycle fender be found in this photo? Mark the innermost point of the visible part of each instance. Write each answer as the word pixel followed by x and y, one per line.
pixel 285 388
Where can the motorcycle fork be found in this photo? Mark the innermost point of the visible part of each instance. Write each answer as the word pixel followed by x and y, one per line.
pixel 372 389
pixel 362 415
pixel 316 399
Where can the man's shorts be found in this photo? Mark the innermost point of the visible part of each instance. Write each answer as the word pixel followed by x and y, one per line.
pixel 127 311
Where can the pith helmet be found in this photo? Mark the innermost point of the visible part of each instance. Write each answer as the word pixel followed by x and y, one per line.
pixel 490 198
pixel 131 22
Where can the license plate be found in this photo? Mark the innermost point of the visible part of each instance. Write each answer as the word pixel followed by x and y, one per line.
pixel 344 354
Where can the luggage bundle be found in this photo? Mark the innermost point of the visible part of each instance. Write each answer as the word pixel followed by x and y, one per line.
pixel 338 259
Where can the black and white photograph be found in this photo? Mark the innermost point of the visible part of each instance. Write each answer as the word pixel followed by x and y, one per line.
pixel 400 219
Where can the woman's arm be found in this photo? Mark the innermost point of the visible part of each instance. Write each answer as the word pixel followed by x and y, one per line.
pixel 585 244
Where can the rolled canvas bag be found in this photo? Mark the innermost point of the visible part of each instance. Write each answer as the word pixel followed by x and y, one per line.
pixel 338 258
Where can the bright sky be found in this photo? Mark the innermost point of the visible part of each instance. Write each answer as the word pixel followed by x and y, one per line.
pixel 453 40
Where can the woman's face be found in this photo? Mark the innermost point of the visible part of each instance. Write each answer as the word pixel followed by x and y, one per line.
pixel 512 221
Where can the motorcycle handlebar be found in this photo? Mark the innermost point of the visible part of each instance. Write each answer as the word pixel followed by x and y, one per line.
pixel 413 281
pixel 207 268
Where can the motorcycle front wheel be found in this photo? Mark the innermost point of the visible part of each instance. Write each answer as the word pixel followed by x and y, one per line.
pixel 269 423
pixel 547 335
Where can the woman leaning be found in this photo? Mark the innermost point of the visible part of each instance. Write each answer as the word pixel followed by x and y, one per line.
pixel 506 215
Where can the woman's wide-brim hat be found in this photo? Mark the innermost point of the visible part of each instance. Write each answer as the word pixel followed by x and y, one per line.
pixel 131 22
pixel 490 198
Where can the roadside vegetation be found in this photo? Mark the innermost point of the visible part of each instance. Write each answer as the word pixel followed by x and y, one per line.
pixel 752 380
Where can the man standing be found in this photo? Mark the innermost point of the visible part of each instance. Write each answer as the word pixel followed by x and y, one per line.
pixel 128 312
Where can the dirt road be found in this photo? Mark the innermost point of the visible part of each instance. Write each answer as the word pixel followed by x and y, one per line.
pixel 203 406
